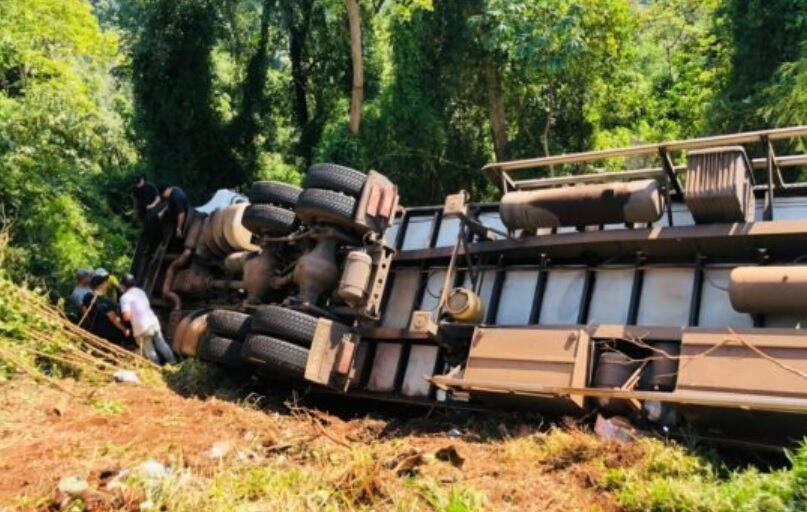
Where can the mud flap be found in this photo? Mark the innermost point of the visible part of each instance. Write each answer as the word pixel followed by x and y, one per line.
pixel 334 355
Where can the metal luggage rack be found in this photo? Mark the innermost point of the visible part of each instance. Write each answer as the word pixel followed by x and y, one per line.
pixel 501 173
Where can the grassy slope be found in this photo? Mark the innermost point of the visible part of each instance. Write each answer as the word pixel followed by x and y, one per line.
pixel 70 420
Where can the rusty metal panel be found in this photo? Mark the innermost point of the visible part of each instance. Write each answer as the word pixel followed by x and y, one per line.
pixel 610 298
pixel 385 366
pixel 666 296
pixel 434 287
pixel 401 298
pixel 418 232
pixel 449 229
pixel 421 363
pixel 518 293
pixel 512 357
pixel 716 360
pixel 330 338
pixel 562 298
pixel 716 310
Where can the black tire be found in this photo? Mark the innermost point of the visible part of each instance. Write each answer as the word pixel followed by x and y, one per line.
pixel 319 205
pixel 264 219
pixel 219 350
pixel 335 177
pixel 274 192
pixel 295 326
pixel 229 324
pixel 280 356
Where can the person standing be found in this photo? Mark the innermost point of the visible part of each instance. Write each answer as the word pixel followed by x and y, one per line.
pixel 136 310
pixel 179 207
pixel 82 288
pixel 145 196
pixel 146 199
pixel 101 317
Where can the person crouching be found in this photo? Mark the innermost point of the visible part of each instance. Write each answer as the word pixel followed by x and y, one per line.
pixel 136 309
pixel 101 314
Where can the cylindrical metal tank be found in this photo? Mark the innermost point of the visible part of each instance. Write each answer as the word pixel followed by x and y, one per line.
pixel 234 263
pixel 355 278
pixel 612 372
pixel 769 289
pixel 237 236
pixel 223 234
pixel 663 367
pixel 584 205
pixel 464 305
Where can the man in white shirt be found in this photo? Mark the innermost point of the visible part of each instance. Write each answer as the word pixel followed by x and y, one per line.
pixel 135 307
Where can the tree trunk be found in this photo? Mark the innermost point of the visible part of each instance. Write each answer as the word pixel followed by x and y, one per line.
pixel 498 120
pixel 298 34
pixel 354 18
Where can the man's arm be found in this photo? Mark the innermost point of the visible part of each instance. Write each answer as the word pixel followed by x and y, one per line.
pixel 154 203
pixel 126 308
pixel 115 319
pixel 180 223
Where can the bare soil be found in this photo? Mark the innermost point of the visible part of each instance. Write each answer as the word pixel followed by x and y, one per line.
pixel 45 435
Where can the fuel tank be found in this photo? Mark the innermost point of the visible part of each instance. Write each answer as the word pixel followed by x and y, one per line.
pixel 774 289
pixel 585 205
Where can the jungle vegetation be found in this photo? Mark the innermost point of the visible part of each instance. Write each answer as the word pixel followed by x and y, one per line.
pixel 217 93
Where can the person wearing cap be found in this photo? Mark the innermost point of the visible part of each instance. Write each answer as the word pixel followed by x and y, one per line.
pixel 101 317
pixel 179 207
pixel 82 288
pixel 113 285
pixel 136 310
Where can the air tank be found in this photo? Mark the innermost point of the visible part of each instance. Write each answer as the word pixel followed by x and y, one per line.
pixel 584 205
pixel 781 289
pixel 355 278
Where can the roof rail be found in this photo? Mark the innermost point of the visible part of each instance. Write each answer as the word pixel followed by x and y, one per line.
pixel 500 172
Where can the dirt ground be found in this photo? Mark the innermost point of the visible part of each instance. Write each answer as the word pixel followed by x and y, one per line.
pixel 45 435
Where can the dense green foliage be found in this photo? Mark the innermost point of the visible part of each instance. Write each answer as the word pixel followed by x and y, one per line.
pixel 453 85
pixel 217 93
pixel 63 138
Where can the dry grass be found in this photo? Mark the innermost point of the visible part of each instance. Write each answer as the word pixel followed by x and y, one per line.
pixel 295 460
pixel 61 416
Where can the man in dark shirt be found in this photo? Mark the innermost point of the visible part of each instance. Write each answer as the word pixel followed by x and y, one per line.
pixel 179 207
pixel 145 196
pixel 102 317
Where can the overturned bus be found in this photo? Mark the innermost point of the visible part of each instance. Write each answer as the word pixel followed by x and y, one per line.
pixel 672 295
